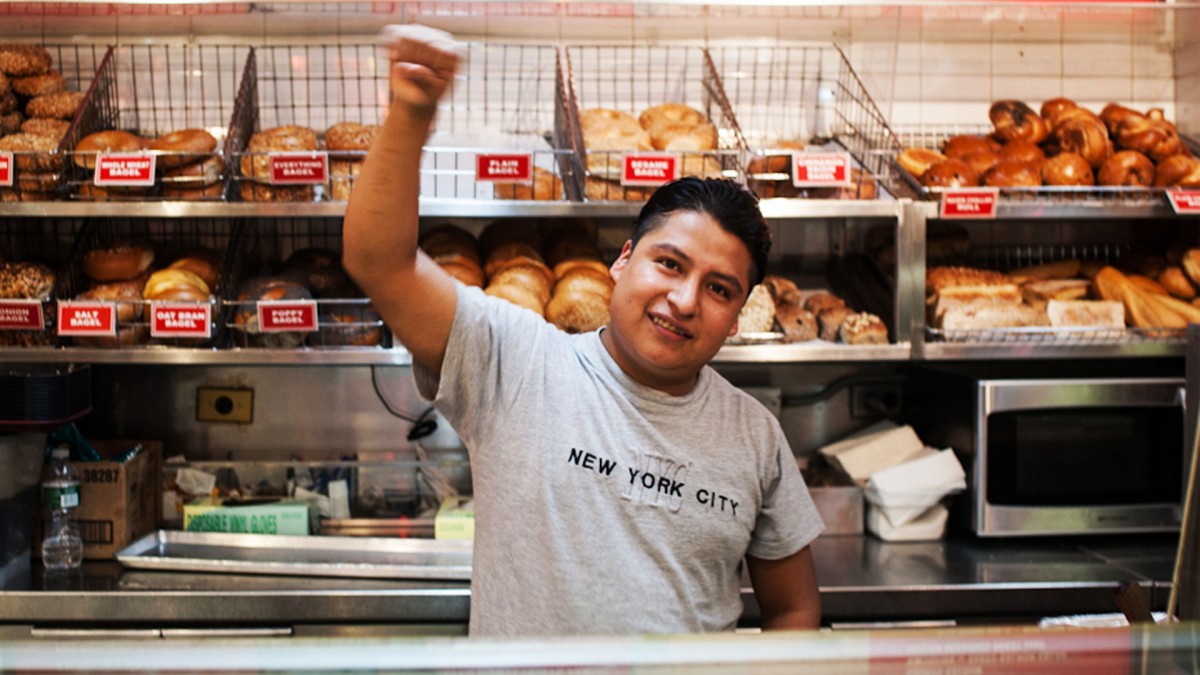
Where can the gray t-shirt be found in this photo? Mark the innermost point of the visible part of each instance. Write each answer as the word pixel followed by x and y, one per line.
pixel 603 506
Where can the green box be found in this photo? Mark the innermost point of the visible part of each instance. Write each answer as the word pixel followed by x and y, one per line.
pixel 278 517
pixel 455 519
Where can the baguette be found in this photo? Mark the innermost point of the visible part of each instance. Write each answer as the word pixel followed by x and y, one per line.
pixel 1063 269
pixel 1191 264
pixel 1037 293
pixel 938 278
pixel 1086 313
pixel 1147 284
pixel 1176 282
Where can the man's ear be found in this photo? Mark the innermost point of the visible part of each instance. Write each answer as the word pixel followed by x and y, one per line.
pixel 733 328
pixel 621 261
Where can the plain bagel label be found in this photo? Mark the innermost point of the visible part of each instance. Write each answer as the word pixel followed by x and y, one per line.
pixel 88 319
pixel 967 203
pixel 178 319
pixel 821 169
pixel 299 168
pixel 21 315
pixel 286 316
pixel 6 169
pixel 648 170
pixel 504 168
pixel 1184 201
pixel 124 169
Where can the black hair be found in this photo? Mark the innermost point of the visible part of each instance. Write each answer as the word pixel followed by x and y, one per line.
pixel 733 207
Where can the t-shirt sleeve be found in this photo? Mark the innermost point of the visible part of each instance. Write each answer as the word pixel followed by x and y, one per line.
pixel 788 520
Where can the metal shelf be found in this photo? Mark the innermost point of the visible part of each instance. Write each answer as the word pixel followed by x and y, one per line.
pixel 815 351
pixel 968 352
pixel 212 357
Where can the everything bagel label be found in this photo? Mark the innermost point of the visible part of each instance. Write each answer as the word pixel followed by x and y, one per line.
pixel 504 168
pixel 6 169
pixel 299 168
pixel 1184 201
pixel 279 316
pixel 124 169
pixel 965 203
pixel 176 319
pixel 821 169
pixel 648 170
pixel 97 319
pixel 21 315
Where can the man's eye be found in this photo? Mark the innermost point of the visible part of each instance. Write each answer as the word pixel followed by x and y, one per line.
pixel 721 291
pixel 668 263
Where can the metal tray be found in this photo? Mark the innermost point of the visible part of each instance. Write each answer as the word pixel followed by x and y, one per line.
pixel 300 556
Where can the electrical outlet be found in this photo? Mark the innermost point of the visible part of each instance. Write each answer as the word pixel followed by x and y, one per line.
pixel 217 404
pixel 875 401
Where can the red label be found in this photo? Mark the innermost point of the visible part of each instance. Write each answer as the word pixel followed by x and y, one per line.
pixel 504 168
pixel 124 169
pixel 821 169
pixel 651 170
pixel 177 319
pixel 21 315
pixel 6 169
pixel 969 203
pixel 285 316
pixel 1184 201
pixel 299 168
pixel 87 318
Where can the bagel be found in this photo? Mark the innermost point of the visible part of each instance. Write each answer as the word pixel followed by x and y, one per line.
pixel 577 312
pixel 183 147
pixel 10 123
pixel 102 142
pixel 566 266
pixel 669 114
pixel 950 173
pixel 1067 169
pixel 32 153
pixel 172 278
pixel 351 136
pixel 517 295
pixel 916 161
pixel 44 126
pixel 1127 168
pixel 250 191
pixel 256 162
pixel 205 264
pixel 545 187
pixel 61 105
pixel 1015 120
pixel 50 82
pixel 126 294
pixel 962 145
pixel 117 262
pixel 201 174
pixel 21 60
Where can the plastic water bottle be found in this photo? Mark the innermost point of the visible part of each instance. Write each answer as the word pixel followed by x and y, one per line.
pixel 62 548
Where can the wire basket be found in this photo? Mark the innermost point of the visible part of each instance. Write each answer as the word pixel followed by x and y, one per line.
pixel 301 259
pixel 46 242
pixel 632 79
pixel 41 174
pixel 170 240
pixel 811 96
pixel 156 91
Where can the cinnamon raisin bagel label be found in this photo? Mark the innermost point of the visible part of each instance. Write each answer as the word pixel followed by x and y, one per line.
pixel 649 170
pixel 21 315
pixel 124 168
pixel 1184 201
pixel 178 319
pixel 821 169
pixel 299 168
pixel 279 316
pixel 504 168
pixel 6 169
pixel 978 203
pixel 87 318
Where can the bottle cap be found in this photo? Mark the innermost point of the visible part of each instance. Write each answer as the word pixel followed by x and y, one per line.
pixel 62 452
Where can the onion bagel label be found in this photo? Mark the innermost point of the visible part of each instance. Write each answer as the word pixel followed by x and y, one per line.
pixel 279 316
pixel 180 319
pixel 21 315
pixel 649 170
pixel 966 203
pixel 299 168
pixel 821 169
pixel 6 169
pixel 1184 201
pixel 504 168
pixel 124 168
pixel 87 318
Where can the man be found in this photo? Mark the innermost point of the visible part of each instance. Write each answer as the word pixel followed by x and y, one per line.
pixel 619 481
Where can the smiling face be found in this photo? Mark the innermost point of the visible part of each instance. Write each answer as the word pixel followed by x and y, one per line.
pixel 676 300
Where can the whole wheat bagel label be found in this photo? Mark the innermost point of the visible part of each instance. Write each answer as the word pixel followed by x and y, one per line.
pixel 298 168
pixel 87 318
pixel 1184 201
pixel 6 169
pixel 279 316
pixel 504 168
pixel 979 203
pixel 21 315
pixel 648 170
pixel 178 319
pixel 821 169
pixel 124 168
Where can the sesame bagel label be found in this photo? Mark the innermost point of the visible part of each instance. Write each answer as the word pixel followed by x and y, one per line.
pixel 279 316
pixel 21 315
pixel 124 168
pixel 649 170
pixel 1184 201
pixel 6 169
pixel 967 203
pixel 821 169
pixel 87 318
pixel 299 168
pixel 178 319
pixel 504 168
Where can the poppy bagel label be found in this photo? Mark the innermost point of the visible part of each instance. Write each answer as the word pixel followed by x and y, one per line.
pixel 21 315
pixel 131 169
pixel 6 169
pixel 87 318
pixel 821 169
pixel 504 168
pixel 276 316
pixel 649 170
pixel 180 320
pixel 299 168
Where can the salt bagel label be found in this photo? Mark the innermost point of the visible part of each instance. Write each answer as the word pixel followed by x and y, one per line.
pixel 969 203
pixel 180 319
pixel 298 168
pixel 90 319
pixel 1184 201
pixel 650 170
pixel 286 316
pixel 21 315
pixel 6 169
pixel 821 169
pixel 504 168
pixel 124 169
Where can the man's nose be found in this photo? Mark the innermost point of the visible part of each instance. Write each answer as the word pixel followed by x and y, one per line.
pixel 684 296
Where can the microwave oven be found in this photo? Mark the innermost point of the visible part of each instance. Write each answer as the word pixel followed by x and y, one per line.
pixel 1059 456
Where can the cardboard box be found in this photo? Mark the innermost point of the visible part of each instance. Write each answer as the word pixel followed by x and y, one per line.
pixel 276 517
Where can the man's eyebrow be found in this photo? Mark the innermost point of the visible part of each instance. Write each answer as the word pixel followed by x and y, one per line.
pixel 666 247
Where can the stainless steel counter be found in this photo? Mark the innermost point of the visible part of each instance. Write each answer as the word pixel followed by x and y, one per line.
pixel 863 581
